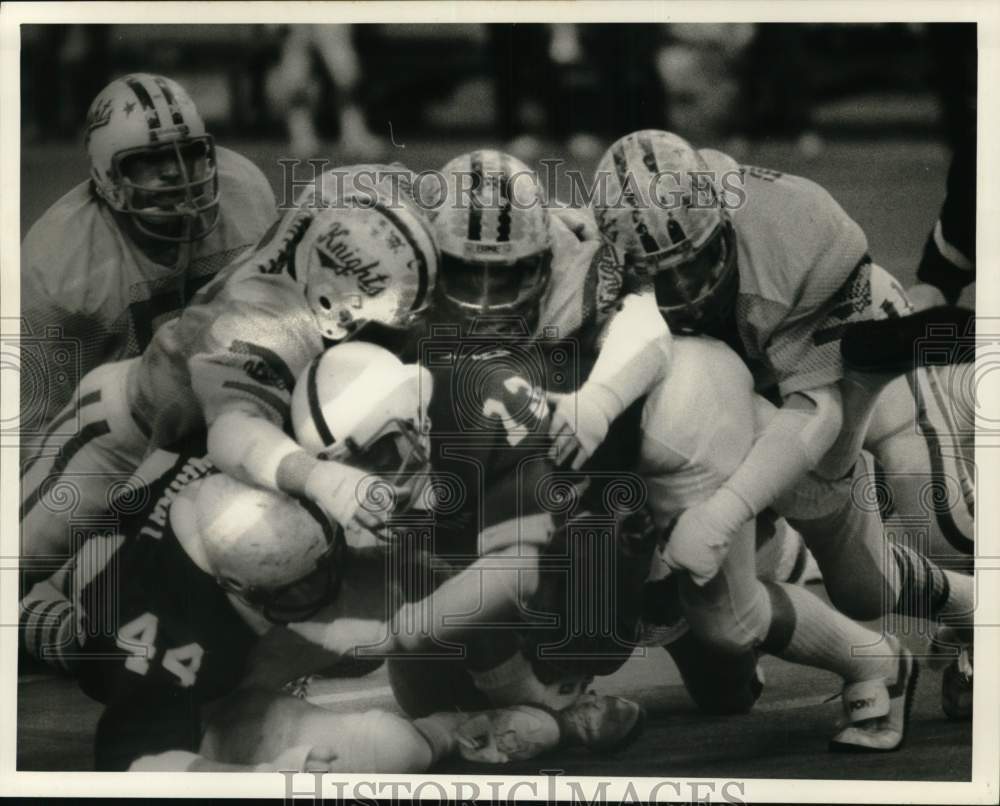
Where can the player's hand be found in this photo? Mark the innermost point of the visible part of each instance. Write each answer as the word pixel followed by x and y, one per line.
pixel 697 541
pixel 577 427
pixel 923 296
pixel 580 222
pixel 359 501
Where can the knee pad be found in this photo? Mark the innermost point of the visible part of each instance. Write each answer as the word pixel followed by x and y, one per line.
pixel 720 683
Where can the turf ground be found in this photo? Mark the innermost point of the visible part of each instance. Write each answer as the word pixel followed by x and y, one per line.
pixel 894 190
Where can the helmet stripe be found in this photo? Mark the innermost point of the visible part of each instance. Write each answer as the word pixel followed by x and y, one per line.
pixel 417 250
pixel 145 101
pixel 648 242
pixel 315 408
pixel 168 96
pixel 475 211
pixel 648 157
pixel 504 222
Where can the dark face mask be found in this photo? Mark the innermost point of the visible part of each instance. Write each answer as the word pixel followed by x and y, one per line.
pixel 699 296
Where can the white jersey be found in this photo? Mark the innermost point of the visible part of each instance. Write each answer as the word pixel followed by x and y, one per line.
pixel 88 288
pixel 697 425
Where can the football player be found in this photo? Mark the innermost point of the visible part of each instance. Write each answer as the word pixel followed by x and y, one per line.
pixel 694 432
pixel 509 266
pixel 162 211
pixel 772 265
pixel 328 269
pixel 178 663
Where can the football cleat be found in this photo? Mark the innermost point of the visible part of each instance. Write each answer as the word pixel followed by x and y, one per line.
pixel 956 682
pixel 876 713
pixel 601 723
pixel 517 733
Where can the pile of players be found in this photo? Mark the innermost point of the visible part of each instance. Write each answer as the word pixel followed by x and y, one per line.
pixel 500 444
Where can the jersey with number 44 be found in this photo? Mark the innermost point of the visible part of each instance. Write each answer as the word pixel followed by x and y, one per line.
pixel 151 620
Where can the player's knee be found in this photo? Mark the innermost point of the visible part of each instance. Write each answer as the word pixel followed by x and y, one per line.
pixel 719 683
pixel 723 633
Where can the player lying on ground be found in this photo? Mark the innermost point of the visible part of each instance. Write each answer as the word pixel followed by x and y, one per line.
pixel 683 441
pixel 167 657
pixel 771 265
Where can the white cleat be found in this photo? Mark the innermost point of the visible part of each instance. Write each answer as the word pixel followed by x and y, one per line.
pixel 876 712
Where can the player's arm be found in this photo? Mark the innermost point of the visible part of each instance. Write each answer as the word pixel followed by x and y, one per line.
pixel 633 351
pixel 244 386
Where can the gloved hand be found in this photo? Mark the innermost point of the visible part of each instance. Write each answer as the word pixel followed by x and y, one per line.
pixel 357 500
pixel 578 426
pixel 697 541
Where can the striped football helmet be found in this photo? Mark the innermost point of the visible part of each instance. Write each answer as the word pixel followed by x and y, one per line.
pixel 660 209
pixel 358 404
pixel 493 232
pixel 151 117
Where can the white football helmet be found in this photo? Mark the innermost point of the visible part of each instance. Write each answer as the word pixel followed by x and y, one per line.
pixel 366 260
pixel 149 115
pixel 659 206
pixel 492 228
pixel 279 555
pixel 357 403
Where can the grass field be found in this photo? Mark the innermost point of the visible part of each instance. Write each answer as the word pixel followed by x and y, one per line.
pixel 894 190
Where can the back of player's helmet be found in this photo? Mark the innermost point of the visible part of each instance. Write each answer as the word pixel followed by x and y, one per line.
pixel 367 258
pixel 280 556
pixel 151 158
pixel 357 403
pixel 493 232
pixel 659 206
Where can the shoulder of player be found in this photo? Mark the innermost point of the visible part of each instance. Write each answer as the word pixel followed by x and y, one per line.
pixel 74 251
pixel 245 191
pixel 236 169
pixel 792 235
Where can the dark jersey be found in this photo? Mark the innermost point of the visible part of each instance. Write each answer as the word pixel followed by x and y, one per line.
pixel 489 441
pixel 158 636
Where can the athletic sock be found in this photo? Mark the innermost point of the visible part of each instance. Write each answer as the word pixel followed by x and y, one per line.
pixel 927 591
pixel 806 630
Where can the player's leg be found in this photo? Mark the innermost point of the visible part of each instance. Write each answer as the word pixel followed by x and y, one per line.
pixel 254 726
pixel 75 474
pixel 865 575
pixel 925 466
pixel 736 612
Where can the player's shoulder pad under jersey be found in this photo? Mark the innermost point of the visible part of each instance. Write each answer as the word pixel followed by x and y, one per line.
pixel 796 244
pixel 247 202
pixel 74 253
pixel 586 285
